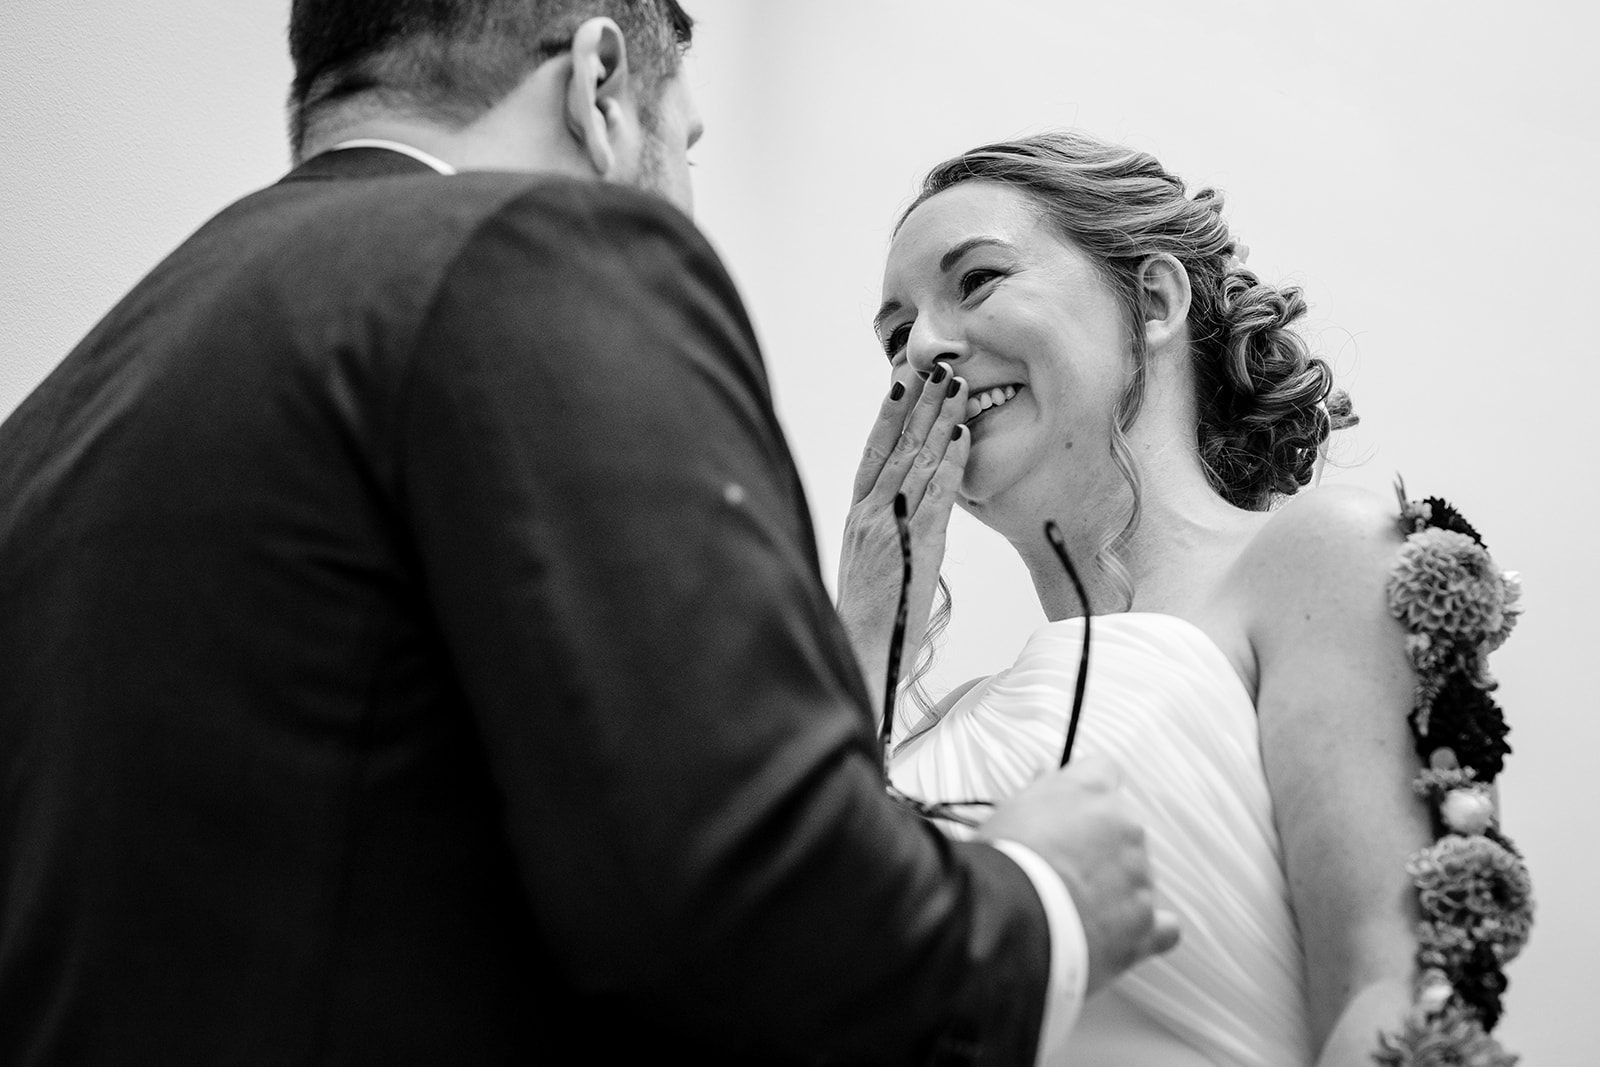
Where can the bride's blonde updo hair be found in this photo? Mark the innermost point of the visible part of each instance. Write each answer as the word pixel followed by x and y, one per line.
pixel 1265 404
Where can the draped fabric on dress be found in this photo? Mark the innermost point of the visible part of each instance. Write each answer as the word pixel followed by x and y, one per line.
pixel 1163 703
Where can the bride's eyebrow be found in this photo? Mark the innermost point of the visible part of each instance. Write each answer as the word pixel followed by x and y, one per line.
pixel 946 261
pixel 961 248
pixel 889 308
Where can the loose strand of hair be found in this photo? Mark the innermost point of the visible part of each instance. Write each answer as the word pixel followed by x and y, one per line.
pixel 1129 404
pixel 938 622
pixel 1109 554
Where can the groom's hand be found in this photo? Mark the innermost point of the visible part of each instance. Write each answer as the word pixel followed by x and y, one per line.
pixel 1076 821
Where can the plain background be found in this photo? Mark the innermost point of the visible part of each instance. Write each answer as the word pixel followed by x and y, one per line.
pixel 1426 170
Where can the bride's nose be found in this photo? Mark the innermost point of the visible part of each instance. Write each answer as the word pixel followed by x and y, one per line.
pixel 928 345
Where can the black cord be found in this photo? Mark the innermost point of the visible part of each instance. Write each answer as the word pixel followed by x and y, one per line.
pixel 891 684
pixel 948 810
pixel 1052 533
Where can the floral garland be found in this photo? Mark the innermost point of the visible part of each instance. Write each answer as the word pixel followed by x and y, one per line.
pixel 1472 884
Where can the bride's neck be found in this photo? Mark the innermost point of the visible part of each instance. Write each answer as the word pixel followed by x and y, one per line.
pixel 1183 526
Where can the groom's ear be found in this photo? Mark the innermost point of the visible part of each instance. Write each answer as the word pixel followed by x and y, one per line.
pixel 601 113
pixel 1164 295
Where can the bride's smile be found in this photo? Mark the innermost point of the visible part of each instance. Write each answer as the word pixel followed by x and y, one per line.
pixel 982 401
pixel 976 279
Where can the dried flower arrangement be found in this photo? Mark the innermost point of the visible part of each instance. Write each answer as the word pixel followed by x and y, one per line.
pixel 1472 884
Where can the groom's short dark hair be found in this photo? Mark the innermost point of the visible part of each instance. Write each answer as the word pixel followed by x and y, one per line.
pixel 454 59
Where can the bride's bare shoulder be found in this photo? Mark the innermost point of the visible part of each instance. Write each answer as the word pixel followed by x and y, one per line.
pixel 1322 550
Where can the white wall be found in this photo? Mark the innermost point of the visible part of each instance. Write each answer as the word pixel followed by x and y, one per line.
pixel 1424 169
pixel 123 126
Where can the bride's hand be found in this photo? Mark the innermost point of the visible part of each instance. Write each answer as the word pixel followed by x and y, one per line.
pixel 918 447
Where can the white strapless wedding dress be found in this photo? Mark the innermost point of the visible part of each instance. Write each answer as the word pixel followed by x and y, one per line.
pixel 1164 703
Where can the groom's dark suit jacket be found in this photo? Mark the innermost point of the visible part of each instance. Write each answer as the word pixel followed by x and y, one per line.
pixel 412 651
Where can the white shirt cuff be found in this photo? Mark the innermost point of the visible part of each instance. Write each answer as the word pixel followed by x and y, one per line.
pixel 1069 951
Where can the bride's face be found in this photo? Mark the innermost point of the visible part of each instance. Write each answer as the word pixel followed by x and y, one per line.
pixel 978 278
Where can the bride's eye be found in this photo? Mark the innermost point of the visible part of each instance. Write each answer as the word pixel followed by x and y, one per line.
pixel 896 340
pixel 974 280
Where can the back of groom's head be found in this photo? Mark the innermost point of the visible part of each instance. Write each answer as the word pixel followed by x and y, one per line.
pixel 451 60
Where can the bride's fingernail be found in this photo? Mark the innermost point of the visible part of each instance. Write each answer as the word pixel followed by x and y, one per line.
pixel 898 391
pixel 939 371
pixel 959 432
pixel 955 387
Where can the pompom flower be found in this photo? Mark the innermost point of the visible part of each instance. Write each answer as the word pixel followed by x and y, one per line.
pixel 1478 887
pixel 1441 515
pixel 1445 585
pixel 1452 1038
pixel 1465 719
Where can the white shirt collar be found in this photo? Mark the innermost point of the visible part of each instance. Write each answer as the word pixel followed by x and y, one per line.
pixel 395 146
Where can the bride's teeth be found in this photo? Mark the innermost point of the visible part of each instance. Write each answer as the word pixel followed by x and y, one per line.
pixel 978 403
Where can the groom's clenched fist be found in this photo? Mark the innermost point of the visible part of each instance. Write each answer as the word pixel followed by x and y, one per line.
pixel 1076 820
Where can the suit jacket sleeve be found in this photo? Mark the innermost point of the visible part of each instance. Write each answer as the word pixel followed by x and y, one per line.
pixel 620 559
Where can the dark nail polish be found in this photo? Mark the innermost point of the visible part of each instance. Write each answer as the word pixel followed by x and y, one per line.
pixel 898 391
pixel 955 387
pixel 939 371
pixel 960 432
